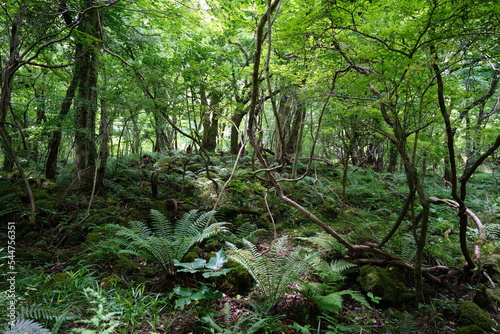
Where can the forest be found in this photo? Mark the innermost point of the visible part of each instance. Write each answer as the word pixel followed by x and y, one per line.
pixel 249 166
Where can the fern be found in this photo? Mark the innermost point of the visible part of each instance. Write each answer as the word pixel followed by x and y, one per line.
pixel 40 313
pixel 274 272
pixel 327 294
pixel 325 242
pixel 27 327
pixel 247 323
pixel 164 242
pixel 492 231
pixel 10 204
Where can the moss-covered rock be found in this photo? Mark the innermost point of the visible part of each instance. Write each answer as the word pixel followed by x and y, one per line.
pixel 494 294
pixel 473 329
pixel 93 238
pixel 190 257
pixel 238 280
pixel 212 246
pixel 33 255
pixel 492 266
pixel 482 298
pixel 123 265
pixel 388 283
pixel 471 314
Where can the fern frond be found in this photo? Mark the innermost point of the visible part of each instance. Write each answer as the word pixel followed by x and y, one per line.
pixel 338 267
pixel 161 225
pixel 357 297
pixel 321 240
pixel 38 312
pixel 165 243
pixel 27 327
pixel 10 203
pixel 193 222
pixel 277 270
pixel 492 231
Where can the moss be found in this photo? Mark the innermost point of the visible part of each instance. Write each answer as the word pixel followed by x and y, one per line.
pixel 494 294
pixel 190 257
pixel 492 266
pixel 473 329
pixel 112 281
pixel 60 278
pixel 387 283
pixel 471 314
pixel 123 265
pixel 212 246
pixel 31 236
pixel 238 280
pixel 482 298
pixel 92 238
pixel 63 256
pixel 34 255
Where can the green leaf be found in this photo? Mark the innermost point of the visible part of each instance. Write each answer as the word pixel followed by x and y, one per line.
pixel 217 261
pixel 182 302
pixel 184 292
pixel 331 302
pixel 191 267
pixel 221 272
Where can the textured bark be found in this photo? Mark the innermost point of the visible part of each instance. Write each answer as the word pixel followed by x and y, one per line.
pixel 86 72
pixel 55 143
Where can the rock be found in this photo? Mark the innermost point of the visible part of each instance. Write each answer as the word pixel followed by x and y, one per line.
pixel 471 314
pixel 238 280
pixel 473 329
pixel 482 298
pixel 492 266
pixel 388 283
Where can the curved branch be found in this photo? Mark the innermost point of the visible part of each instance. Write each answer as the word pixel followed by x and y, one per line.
pixel 480 227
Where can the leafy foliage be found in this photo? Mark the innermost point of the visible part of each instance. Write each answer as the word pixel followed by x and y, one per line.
pixel 249 322
pixel 165 242
pixel 492 231
pixel 206 293
pixel 103 320
pixel 27 327
pixel 275 271
pixel 327 293
pixel 10 204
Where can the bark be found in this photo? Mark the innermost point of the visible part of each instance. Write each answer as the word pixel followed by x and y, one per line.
pixel 11 67
pixel 235 132
pixel 210 120
pixel 55 143
pixel 292 114
pixel 479 225
pixel 86 71
pixel 104 145
pixel 450 144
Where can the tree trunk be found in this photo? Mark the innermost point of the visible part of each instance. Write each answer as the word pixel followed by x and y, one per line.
pixel 13 64
pixel 86 103
pixel 210 120
pixel 55 143
pixel 292 115
pixel 160 137
pixel 235 133
pixel 104 145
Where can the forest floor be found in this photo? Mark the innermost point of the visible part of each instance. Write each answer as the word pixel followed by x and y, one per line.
pixel 72 277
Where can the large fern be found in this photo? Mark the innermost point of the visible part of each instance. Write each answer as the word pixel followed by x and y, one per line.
pixel 275 271
pixel 165 242
pixel 327 294
pixel 27 327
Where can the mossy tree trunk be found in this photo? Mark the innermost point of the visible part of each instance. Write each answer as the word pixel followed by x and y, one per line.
pixel 86 72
